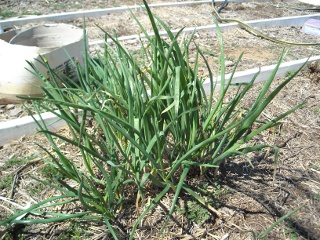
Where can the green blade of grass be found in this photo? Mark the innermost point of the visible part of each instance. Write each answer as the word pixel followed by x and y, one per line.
pixel 265 233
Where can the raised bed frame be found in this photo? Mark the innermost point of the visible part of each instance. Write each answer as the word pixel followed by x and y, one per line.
pixel 101 12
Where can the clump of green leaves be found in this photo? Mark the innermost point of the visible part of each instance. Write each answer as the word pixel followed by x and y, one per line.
pixel 6 13
pixel 17 161
pixel 51 172
pixel 6 181
pixel 289 73
pixel 195 212
pixel 75 231
pixel 36 188
pixel 142 124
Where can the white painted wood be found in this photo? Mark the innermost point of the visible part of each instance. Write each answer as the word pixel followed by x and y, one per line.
pixel 297 21
pixel 311 2
pixel 15 129
pixel 100 12
pixel 92 13
pixel 247 76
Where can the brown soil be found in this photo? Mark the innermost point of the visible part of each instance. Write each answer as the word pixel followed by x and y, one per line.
pixel 250 198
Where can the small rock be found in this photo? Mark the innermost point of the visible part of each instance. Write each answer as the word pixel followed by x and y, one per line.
pixel 228 63
pixel 15 112
pixel 10 106
pixel 192 60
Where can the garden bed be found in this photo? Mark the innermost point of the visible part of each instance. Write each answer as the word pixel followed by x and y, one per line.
pixel 248 198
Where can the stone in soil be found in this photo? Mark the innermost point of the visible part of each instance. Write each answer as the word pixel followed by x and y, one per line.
pixel 9 107
pixel 15 112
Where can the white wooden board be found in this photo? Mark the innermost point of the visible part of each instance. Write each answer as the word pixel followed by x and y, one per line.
pixel 247 76
pixel 15 129
pixel 297 21
pixel 101 12
pixel 311 2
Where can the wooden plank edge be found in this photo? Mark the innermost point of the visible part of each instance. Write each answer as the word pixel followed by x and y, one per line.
pixel 101 12
pixel 275 22
pixel 247 76
pixel 15 129
pixel 97 12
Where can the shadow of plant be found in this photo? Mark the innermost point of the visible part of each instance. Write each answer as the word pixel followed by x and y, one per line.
pixel 276 194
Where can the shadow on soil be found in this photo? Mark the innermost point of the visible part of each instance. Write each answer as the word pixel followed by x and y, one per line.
pixel 287 192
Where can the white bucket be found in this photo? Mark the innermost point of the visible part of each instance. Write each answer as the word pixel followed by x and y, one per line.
pixel 58 43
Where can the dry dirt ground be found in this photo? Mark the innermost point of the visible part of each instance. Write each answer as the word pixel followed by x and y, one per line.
pixel 248 198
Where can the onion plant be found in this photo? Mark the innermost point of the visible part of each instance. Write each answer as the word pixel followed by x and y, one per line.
pixel 141 123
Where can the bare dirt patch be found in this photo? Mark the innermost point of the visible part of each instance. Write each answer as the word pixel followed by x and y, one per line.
pixel 249 198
